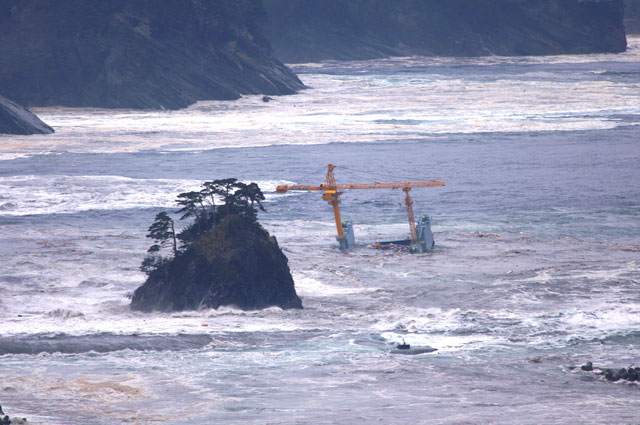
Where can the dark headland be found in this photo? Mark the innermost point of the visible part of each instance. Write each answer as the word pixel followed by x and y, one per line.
pixel 143 54
pixel 164 54
pixel 317 30
pixel 632 16
pixel 14 119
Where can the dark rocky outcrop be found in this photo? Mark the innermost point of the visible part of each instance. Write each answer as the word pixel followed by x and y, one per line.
pixel 136 53
pixel 588 367
pixel 14 119
pixel 316 30
pixel 632 16
pixel 237 264
pixel 630 374
pixel 6 420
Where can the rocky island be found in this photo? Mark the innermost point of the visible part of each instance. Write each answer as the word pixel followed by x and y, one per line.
pixel 145 54
pixel 317 30
pixel 224 257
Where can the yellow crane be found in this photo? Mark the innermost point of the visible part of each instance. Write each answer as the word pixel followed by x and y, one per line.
pixel 332 192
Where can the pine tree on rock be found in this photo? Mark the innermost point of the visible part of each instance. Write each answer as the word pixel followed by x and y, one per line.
pixel 163 233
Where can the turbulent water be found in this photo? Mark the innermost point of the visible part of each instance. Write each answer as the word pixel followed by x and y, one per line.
pixel 536 266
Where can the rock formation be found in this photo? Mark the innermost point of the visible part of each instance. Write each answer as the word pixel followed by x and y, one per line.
pixel 14 119
pixel 632 16
pixel 630 374
pixel 316 30
pixel 236 264
pixel 6 420
pixel 136 53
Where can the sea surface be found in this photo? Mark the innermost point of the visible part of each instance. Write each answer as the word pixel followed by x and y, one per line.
pixel 536 267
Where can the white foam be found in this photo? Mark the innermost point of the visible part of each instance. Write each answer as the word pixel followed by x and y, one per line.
pixel 416 320
pixel 47 194
pixel 602 320
pixel 119 320
pixel 607 275
pixel 346 108
pixel 444 343
pixel 310 287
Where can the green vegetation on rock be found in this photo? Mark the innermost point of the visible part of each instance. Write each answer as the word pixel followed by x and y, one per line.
pixel 222 257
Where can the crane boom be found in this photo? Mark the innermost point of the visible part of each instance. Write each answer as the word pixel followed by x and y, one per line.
pixel 332 194
pixel 373 185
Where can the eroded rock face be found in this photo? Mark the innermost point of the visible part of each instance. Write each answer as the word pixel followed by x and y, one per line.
pixel 136 53
pixel 14 119
pixel 316 30
pixel 236 264
pixel 632 16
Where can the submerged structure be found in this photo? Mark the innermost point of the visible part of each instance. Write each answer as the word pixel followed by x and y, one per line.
pixel 421 235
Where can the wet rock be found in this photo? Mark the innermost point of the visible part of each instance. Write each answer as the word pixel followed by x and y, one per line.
pixel 623 374
pixel 630 374
pixel 143 54
pixel 14 119
pixel 6 420
pixel 611 375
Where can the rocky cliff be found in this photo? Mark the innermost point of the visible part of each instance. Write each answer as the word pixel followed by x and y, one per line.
pixel 14 119
pixel 237 263
pixel 136 53
pixel 632 16
pixel 316 30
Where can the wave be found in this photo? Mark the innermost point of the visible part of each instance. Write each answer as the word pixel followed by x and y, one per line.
pixel 616 73
pixel 62 194
pixel 402 99
pixel 99 343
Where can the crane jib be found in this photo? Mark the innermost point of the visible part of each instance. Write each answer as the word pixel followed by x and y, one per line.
pixel 374 185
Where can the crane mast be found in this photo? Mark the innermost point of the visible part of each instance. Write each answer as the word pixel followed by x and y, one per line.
pixel 412 220
pixel 332 196
pixel 332 191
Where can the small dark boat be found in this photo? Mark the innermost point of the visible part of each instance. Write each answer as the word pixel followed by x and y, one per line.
pixel 405 348
pixel 414 350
